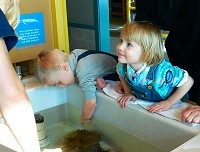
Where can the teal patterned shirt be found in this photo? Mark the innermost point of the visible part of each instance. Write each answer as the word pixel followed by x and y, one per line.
pixel 166 78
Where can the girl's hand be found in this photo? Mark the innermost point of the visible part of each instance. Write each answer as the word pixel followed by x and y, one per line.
pixel 160 106
pixel 123 100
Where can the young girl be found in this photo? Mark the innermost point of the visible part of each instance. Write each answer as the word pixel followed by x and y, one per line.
pixel 143 71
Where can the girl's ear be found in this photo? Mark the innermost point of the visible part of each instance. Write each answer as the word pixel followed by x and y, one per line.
pixel 63 66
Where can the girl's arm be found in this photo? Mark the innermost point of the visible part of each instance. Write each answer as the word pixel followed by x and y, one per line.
pixel 123 100
pixel 174 98
pixel 181 91
pixel 126 88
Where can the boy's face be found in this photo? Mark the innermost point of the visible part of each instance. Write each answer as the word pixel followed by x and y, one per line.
pixel 61 78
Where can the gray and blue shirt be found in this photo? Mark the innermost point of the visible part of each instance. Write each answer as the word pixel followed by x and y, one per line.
pixel 87 65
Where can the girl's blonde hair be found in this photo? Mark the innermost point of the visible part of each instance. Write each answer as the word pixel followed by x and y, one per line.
pixel 12 11
pixel 148 37
pixel 47 62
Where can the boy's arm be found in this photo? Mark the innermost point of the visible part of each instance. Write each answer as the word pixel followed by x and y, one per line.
pixel 88 110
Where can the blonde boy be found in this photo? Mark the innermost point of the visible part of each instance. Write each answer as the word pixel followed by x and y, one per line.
pixel 56 68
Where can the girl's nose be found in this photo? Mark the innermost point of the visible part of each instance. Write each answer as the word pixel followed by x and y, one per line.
pixel 120 47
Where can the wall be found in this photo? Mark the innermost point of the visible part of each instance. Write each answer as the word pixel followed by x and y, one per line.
pixel 88 23
pixel 33 44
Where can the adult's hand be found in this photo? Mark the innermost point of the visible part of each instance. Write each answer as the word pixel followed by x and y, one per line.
pixel 191 114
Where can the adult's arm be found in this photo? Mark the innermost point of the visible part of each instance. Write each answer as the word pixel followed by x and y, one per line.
pixel 15 106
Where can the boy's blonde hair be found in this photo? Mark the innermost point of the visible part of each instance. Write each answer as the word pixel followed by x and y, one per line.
pixel 12 12
pixel 148 37
pixel 47 62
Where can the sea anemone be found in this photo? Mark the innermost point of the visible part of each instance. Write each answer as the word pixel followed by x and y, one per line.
pixel 82 140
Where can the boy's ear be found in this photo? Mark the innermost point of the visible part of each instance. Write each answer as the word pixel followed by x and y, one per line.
pixel 63 66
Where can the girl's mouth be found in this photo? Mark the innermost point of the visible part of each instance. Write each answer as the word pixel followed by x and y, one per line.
pixel 120 55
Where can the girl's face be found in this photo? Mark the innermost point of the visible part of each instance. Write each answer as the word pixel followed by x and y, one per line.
pixel 62 77
pixel 129 52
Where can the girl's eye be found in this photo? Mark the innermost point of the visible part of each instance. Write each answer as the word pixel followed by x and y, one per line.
pixel 129 45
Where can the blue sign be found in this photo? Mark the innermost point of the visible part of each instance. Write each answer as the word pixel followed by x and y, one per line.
pixel 30 30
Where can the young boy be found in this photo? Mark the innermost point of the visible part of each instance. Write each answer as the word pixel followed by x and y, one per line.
pixel 56 68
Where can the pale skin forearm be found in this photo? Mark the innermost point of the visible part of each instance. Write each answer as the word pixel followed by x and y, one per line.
pixel 124 99
pixel 181 91
pixel 15 106
pixel 126 89
pixel 174 98
pixel 88 110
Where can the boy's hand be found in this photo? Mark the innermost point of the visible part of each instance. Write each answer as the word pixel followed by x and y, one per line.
pixel 85 120
pixel 87 111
